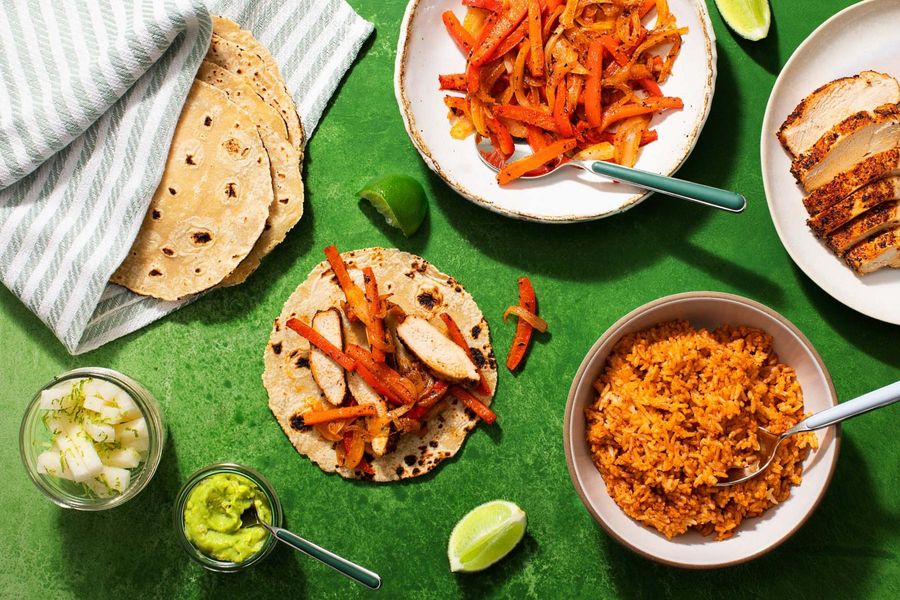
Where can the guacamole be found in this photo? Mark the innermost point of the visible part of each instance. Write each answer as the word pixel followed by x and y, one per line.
pixel 212 517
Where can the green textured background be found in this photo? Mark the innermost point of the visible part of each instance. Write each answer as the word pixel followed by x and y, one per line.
pixel 204 365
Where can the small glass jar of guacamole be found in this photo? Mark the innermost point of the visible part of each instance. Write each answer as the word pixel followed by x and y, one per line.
pixel 208 517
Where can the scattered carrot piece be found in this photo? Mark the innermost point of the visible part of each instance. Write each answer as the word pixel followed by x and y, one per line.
pixel 476 405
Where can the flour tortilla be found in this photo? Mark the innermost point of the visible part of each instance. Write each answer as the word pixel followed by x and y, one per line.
pixel 251 60
pixel 211 204
pixel 420 289
pixel 286 180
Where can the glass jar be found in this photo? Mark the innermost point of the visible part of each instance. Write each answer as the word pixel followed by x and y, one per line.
pixel 34 438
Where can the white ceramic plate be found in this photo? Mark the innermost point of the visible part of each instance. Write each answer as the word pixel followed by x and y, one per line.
pixel 864 36
pixel 755 536
pixel 425 51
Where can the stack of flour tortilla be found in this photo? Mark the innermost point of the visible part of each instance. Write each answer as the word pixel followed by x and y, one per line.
pixel 232 186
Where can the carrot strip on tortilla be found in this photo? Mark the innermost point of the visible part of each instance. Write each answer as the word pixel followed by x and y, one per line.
pixel 339 414
pixel 429 399
pixel 355 297
pixel 375 329
pixel 401 388
pixel 458 339
pixel 316 339
pixel 528 301
pixel 476 405
pixel 380 387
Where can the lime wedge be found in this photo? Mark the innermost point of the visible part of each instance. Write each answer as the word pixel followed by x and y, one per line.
pixel 750 19
pixel 400 200
pixel 485 535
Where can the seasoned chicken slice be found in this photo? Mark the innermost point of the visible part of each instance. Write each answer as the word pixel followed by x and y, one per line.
pixel 876 253
pixel 871 223
pixel 328 374
pixel 849 142
pixel 832 103
pixel 437 351
pixel 874 167
pixel 863 199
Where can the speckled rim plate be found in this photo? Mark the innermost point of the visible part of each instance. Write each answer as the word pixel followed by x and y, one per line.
pixel 425 50
pixel 755 536
pixel 863 36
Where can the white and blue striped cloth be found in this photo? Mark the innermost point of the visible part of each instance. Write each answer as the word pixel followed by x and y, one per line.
pixel 90 92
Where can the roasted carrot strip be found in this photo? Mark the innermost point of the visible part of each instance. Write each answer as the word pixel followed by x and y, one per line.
pixel 562 112
pixel 612 46
pixel 528 301
pixel 499 31
pixel 504 141
pixel 428 400
pixel 339 414
pixel 458 339
pixel 463 38
pixel 473 79
pixel 456 103
pixel 645 8
pixel 474 404
pixel 513 40
pixel 491 5
pixel 355 297
pixel 531 116
pixel 648 136
pixel 536 138
pixel 536 57
pixel 455 82
pixel 644 107
pixel 375 330
pixel 380 387
pixel 651 86
pixel 518 168
pixel 592 94
pixel 317 340
pixel 401 388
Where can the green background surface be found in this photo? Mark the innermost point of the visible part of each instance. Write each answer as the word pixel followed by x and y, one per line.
pixel 204 364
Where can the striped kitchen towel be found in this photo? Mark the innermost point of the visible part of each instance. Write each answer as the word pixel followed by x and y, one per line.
pixel 90 93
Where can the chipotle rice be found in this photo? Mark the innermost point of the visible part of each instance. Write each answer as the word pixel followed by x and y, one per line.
pixel 678 408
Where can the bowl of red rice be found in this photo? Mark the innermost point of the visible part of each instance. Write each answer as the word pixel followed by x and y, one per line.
pixel 668 402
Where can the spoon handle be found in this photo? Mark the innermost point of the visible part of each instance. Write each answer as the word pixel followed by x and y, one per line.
pixel 341 565
pixel 875 399
pixel 687 190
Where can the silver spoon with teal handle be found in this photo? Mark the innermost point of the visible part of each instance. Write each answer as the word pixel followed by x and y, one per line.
pixel 679 188
pixel 250 518
pixel 769 442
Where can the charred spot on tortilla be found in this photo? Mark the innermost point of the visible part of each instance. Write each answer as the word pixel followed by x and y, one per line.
pixel 478 357
pixel 302 363
pixel 399 471
pixel 277 325
pixel 276 348
pixel 409 459
pixel 427 300
pixel 155 216
pixel 476 331
pixel 298 424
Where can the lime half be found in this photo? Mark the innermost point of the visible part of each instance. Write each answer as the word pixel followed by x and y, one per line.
pixel 750 19
pixel 400 199
pixel 485 535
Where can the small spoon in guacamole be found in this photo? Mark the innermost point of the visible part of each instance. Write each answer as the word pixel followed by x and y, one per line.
pixel 251 519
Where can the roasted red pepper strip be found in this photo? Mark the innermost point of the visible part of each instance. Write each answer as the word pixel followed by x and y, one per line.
pixel 474 404
pixel 375 329
pixel 592 91
pixel 400 387
pixel 458 339
pixel 317 340
pixel 463 38
pixel 499 31
pixel 528 301
pixel 428 400
pixel 455 82
pixel 530 116
pixel 339 414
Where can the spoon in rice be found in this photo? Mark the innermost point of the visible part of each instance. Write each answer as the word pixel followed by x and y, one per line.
pixel 769 442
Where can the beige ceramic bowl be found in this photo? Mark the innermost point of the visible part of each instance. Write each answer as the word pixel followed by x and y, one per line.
pixel 755 536
pixel 425 50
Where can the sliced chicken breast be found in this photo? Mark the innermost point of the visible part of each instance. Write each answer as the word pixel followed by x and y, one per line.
pixel 876 253
pixel 363 394
pixel 832 103
pixel 437 351
pixel 328 374
pixel 860 201
pixel 875 167
pixel 849 142
pixel 868 224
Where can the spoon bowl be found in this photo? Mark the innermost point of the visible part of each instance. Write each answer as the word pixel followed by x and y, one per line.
pixel 678 188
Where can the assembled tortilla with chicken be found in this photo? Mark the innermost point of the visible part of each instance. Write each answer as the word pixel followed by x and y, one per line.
pixel 379 365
